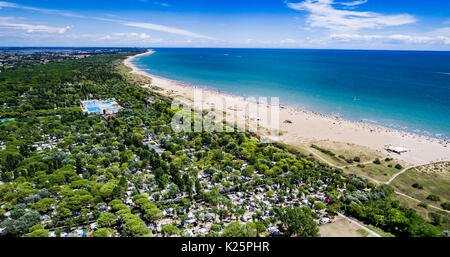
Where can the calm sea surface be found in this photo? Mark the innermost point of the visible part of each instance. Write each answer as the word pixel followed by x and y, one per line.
pixel 398 89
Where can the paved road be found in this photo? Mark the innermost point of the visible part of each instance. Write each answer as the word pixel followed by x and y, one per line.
pixel 361 226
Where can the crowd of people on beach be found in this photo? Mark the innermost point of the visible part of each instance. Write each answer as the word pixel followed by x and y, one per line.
pixel 174 88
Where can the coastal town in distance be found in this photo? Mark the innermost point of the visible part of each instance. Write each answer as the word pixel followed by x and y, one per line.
pixel 128 135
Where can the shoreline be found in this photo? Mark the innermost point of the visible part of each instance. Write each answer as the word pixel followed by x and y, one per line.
pixel 308 126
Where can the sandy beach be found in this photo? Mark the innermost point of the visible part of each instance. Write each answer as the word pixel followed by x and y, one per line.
pixel 302 126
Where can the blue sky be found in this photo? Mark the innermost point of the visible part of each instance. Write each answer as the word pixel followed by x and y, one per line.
pixel 338 24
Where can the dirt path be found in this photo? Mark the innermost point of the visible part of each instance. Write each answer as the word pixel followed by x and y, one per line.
pixel 361 226
pixel 388 182
pixel 401 172
pixel 333 165
pixel 321 158
pixel 417 200
pixel 340 167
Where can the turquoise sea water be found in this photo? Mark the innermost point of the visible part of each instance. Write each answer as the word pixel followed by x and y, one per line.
pixel 404 90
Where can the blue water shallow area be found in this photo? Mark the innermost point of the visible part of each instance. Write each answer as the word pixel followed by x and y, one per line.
pixel 91 102
pixel 94 109
pixel 408 90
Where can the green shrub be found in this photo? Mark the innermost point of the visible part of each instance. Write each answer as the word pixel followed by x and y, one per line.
pixel 436 218
pixel 434 198
pixel 325 151
pixel 446 206
pixel 417 185
pixel 423 205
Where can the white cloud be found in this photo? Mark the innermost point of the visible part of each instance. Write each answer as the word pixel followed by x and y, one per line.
pixel 43 10
pixel 7 18
pixel 33 28
pixel 162 4
pixel 143 25
pixel 324 13
pixel 7 4
pixel 414 39
pixel 354 3
pixel 128 36
pixel 163 28
pixel 288 41
pixel 441 32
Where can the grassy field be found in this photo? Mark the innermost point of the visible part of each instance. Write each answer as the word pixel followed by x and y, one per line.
pixel 294 148
pixel 363 233
pixel 424 212
pixel 434 178
pixel 379 172
pixel 343 151
pixel 379 231
pixel 331 159
pixel 350 151
pixel 342 228
pixel 409 203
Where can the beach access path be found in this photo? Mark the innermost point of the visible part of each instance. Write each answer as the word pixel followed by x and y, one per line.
pixel 401 172
pixel 407 196
pixel 387 183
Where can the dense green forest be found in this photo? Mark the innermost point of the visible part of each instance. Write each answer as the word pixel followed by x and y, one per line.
pixel 63 170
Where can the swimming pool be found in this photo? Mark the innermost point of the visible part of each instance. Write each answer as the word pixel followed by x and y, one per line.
pixel 94 109
pixel 100 106
pixel 90 103
pixel 110 110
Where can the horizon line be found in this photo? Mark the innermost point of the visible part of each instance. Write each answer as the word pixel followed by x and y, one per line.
pixel 211 47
